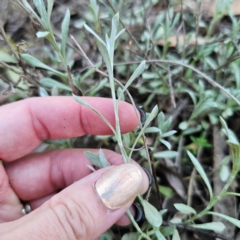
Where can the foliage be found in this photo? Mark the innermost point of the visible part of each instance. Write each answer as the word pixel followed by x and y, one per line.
pixel 156 74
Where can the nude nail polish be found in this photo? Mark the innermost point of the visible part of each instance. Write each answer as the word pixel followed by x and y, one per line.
pixel 119 186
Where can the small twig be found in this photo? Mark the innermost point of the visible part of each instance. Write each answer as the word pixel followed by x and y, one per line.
pixel 10 68
pixel 236 47
pixel 171 88
pixel 75 90
pixel 198 230
pixel 8 43
pixel 226 63
pixel 211 81
pixel 155 178
pixel 133 38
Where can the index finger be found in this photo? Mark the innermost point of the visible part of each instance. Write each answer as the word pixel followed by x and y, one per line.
pixel 25 124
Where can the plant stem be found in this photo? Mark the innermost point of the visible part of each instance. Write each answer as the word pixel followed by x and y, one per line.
pixel 136 225
pixel 215 199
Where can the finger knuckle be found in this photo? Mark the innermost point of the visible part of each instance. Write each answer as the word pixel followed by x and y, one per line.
pixel 75 219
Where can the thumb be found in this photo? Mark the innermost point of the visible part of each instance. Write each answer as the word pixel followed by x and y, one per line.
pixel 85 209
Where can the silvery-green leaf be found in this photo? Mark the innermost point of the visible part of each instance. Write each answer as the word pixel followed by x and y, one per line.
pixel 40 5
pixel 42 34
pixel 120 33
pixel 158 234
pixel 32 61
pixel 114 30
pixel 151 213
pixel 81 101
pixel 224 173
pixel 131 236
pixel 54 91
pixel 103 159
pixel 232 220
pixel 166 125
pixel 151 130
pixel 126 139
pixel 50 7
pixel 166 143
pixel 170 133
pixel 94 34
pixel 230 134
pixel 27 5
pixel 42 92
pixel 160 120
pixel 95 8
pixel 93 158
pixel 138 71
pixel 183 125
pixel 215 226
pixel 201 172
pixel 151 116
pixel 176 235
pixel 65 30
pixel 183 208
pixel 50 83
pixel 165 154
pixel 168 231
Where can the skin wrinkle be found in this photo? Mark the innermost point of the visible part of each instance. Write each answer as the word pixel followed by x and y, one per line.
pixel 40 129
pixel 54 167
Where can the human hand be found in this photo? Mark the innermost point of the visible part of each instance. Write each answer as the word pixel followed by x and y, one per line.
pixel 88 204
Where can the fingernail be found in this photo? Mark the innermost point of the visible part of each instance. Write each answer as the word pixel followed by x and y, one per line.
pixel 119 186
pixel 142 114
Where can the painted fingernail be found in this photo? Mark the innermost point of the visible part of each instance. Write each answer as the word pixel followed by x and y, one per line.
pixel 150 177
pixel 142 114
pixel 119 186
pixel 139 212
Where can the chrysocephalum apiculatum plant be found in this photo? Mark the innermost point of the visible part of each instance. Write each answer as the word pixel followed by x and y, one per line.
pixel 153 229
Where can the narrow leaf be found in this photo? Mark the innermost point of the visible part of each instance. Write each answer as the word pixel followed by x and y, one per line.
pixel 152 214
pixel 42 34
pixel 103 159
pixel 131 236
pixel 120 33
pixel 93 158
pixel 165 154
pixel 27 5
pixel 176 235
pixel 32 61
pixel 50 83
pixel 201 172
pixel 166 143
pixel 160 120
pixel 170 133
pixel 183 208
pixel 114 30
pixel 215 226
pixel 42 92
pixel 81 101
pixel 158 234
pixel 49 10
pixel 138 71
pixel 232 220
pixel 94 34
pixel 151 116
pixel 40 5
pixel 168 231
pixel 65 30
pixel 151 130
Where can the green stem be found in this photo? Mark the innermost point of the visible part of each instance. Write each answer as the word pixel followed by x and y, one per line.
pixel 215 199
pixel 136 225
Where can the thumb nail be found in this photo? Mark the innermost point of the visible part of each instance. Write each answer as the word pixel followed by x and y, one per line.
pixel 119 186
